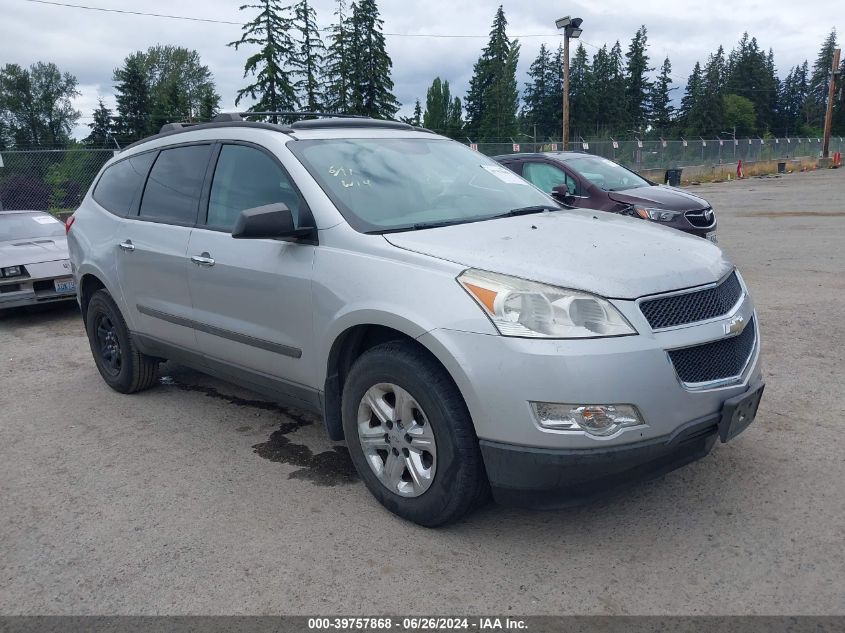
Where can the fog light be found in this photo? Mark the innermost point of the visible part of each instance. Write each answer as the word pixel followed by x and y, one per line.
pixel 595 419
pixel 12 271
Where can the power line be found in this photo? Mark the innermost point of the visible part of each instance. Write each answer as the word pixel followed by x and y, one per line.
pixel 229 22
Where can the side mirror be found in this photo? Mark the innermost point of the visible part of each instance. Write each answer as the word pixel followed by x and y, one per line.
pixel 269 221
pixel 561 192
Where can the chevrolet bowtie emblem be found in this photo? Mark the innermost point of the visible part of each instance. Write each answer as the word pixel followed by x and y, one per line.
pixel 735 325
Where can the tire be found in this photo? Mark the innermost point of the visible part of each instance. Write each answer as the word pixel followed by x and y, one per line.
pixel 119 362
pixel 457 482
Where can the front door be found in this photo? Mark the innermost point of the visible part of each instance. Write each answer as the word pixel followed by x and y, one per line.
pixel 546 176
pixel 251 297
pixel 153 262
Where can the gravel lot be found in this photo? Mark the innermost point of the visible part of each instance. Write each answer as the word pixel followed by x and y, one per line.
pixel 198 497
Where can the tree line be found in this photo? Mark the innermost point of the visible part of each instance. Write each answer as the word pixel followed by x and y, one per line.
pixel 293 65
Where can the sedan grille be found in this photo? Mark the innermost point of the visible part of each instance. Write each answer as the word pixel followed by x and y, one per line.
pixel 694 306
pixel 725 358
pixel 701 218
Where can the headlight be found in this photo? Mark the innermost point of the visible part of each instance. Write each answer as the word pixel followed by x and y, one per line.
pixel 658 215
pixel 526 308
pixel 12 271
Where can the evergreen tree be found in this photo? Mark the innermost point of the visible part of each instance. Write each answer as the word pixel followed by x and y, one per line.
pixel 417 114
pixel 581 94
pixel 309 58
pixel 270 30
pixel 101 126
pixel 617 111
pixel 692 95
pixel 707 117
pixel 539 103
pixel 371 89
pixel 637 84
pixel 209 102
pixel 337 92
pixel 659 100
pixel 493 99
pixel 750 73
pixel 132 93
pixel 816 103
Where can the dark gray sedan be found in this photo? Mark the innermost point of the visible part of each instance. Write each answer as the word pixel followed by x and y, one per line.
pixel 34 265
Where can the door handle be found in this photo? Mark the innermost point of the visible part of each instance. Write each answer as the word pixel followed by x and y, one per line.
pixel 127 245
pixel 203 260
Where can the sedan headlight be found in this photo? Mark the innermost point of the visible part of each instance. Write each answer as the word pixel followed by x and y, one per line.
pixel 657 215
pixel 526 308
pixel 11 271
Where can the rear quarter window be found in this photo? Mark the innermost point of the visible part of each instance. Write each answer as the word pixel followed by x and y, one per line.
pixel 120 183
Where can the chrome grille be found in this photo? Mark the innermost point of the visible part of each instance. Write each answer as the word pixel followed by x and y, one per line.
pixel 725 358
pixel 693 306
pixel 701 218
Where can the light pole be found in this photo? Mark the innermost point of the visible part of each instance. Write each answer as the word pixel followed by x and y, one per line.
pixel 571 28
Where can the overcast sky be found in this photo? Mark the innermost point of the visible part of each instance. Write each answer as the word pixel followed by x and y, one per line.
pixel 91 44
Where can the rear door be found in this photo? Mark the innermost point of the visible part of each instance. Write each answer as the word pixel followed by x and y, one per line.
pixel 251 297
pixel 153 244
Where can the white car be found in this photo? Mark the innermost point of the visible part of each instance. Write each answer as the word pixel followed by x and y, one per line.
pixel 34 266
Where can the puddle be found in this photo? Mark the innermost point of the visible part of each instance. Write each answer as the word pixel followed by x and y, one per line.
pixel 328 468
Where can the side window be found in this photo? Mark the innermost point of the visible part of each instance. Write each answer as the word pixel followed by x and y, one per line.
pixel 544 176
pixel 175 183
pixel 244 178
pixel 120 183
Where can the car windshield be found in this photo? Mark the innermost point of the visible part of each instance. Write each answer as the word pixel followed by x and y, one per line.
pixel 395 184
pixel 606 174
pixel 27 226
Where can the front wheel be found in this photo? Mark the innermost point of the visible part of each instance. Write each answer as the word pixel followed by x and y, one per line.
pixel 410 435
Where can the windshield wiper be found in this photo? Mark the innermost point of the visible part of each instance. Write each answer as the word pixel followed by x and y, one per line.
pixel 537 208
pixel 419 226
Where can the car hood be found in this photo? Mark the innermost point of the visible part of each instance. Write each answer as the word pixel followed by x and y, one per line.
pixel 603 253
pixel 660 196
pixel 32 251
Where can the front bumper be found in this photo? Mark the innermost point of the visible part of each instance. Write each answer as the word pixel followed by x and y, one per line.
pixel 499 377
pixel 555 478
pixel 30 292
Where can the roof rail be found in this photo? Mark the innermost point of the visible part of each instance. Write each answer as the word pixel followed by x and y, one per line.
pixel 172 127
pixel 316 124
pixel 300 114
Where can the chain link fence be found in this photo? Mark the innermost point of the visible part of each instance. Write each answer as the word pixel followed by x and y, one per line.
pixel 659 154
pixel 56 180
pixel 48 180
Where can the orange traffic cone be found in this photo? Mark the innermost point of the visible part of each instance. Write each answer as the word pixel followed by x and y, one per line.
pixel 739 172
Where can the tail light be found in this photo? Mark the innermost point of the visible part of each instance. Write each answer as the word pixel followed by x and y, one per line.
pixel 69 223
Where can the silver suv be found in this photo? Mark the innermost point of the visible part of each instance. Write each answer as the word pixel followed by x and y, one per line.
pixel 457 327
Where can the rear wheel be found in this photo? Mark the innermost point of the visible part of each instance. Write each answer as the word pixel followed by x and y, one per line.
pixel 119 362
pixel 410 435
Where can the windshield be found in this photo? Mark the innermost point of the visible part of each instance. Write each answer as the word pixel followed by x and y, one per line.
pixel 606 174
pixel 27 226
pixel 391 184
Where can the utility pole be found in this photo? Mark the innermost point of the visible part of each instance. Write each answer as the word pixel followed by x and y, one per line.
pixel 831 91
pixel 571 29
pixel 566 91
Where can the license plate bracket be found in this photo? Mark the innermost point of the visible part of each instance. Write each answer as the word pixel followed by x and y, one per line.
pixel 739 412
